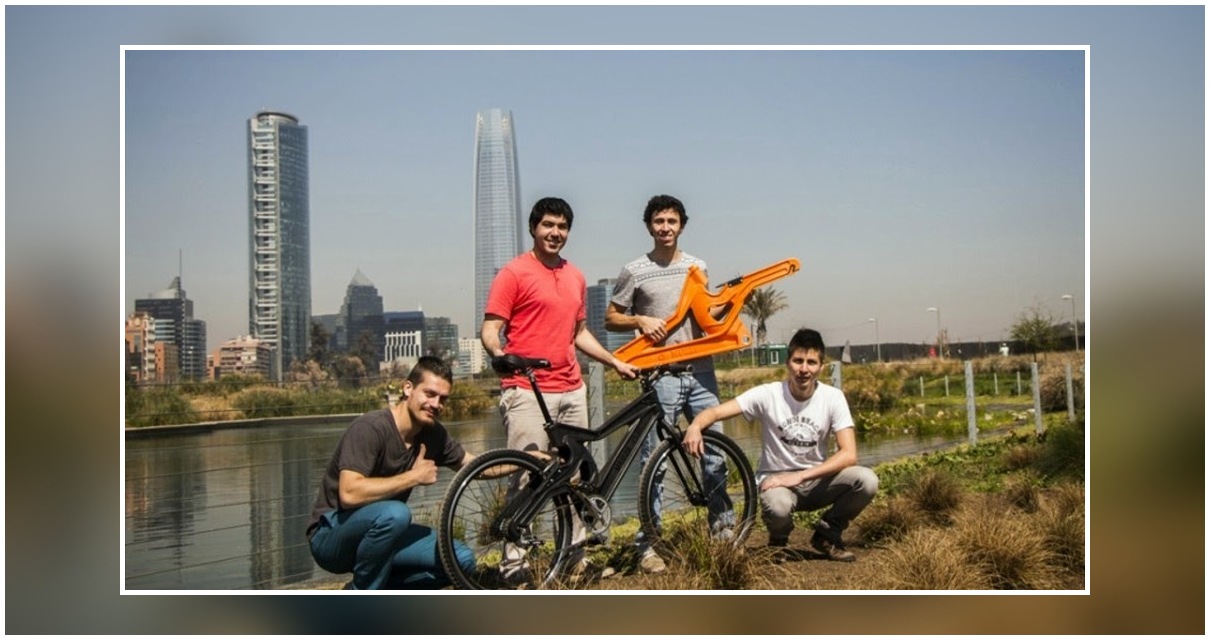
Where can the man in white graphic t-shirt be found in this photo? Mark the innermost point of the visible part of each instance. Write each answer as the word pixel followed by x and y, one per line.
pixel 798 417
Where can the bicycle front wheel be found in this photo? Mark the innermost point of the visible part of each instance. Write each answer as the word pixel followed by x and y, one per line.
pixel 470 516
pixel 687 500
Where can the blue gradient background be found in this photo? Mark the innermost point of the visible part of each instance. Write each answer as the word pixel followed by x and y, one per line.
pixel 1145 289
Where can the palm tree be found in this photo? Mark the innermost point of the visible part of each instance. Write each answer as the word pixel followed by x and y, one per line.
pixel 761 305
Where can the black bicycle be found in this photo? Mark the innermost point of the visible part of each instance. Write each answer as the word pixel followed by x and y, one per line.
pixel 529 515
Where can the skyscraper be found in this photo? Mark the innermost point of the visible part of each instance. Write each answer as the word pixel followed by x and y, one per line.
pixel 499 228
pixel 175 325
pixel 361 313
pixel 279 245
pixel 598 303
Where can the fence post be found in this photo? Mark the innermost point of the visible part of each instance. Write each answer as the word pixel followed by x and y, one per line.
pixel 1071 401
pixel 921 386
pixel 1018 382
pixel 836 375
pixel 995 384
pixel 596 407
pixel 947 385
pixel 972 427
pixel 1033 372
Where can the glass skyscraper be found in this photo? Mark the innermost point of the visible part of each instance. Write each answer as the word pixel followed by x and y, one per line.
pixel 499 227
pixel 175 324
pixel 279 245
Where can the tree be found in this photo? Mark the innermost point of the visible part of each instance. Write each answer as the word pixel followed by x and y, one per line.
pixel 761 305
pixel 366 350
pixel 349 370
pixel 320 349
pixel 1035 330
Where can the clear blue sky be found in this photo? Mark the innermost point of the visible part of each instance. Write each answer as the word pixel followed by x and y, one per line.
pixel 901 179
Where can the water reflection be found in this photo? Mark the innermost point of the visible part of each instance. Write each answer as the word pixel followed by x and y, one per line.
pixel 228 509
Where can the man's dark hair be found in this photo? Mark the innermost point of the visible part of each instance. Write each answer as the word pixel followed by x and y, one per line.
pixel 433 365
pixel 557 207
pixel 659 203
pixel 806 339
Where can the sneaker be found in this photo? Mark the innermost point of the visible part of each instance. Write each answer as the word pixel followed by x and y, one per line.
pixel 521 578
pixel 580 570
pixel 833 549
pixel 651 562
pixel 723 535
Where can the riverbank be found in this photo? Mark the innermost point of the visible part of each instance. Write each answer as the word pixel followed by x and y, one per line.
pixel 1005 514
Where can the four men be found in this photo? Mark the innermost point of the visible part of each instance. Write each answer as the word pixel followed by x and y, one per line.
pixel 536 308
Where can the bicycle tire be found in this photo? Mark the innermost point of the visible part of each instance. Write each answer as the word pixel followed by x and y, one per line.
pixel 682 519
pixel 474 496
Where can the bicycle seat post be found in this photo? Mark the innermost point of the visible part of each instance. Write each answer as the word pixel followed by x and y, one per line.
pixel 533 384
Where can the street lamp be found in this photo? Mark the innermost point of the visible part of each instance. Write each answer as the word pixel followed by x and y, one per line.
pixel 1075 330
pixel 877 342
pixel 940 348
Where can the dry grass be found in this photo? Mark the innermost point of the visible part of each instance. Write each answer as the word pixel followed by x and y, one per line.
pixel 215 408
pixel 1021 490
pixel 1007 547
pixel 927 559
pixel 936 494
pixel 1062 523
pixel 888 521
pixel 1021 456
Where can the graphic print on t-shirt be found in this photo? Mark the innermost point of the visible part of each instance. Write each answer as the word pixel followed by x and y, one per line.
pixel 800 434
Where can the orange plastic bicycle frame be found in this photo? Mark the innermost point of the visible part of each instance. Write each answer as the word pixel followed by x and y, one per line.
pixel 719 335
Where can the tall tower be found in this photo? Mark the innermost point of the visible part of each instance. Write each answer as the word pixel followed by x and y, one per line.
pixel 279 245
pixel 499 227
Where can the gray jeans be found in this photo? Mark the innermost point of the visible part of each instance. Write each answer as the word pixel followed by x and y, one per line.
pixel 847 493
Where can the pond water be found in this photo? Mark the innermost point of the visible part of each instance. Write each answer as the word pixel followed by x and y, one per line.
pixel 227 509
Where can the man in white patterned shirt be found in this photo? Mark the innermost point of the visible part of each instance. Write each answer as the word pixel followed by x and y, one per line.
pixel 798 417
pixel 647 291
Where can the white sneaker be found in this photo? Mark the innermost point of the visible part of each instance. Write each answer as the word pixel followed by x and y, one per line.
pixel 651 562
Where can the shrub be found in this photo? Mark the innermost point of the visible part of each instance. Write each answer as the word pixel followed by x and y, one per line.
pixel 156 406
pixel 264 402
pixel 872 388
pixel 1021 456
pixel 1003 545
pixel 1052 388
pixel 1063 451
pixel 928 559
pixel 1062 524
pixel 936 494
pixel 215 409
pixel 1021 490
pixel 467 400
pixel 889 520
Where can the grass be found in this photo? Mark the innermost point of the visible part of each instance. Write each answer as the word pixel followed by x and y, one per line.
pixel 1006 514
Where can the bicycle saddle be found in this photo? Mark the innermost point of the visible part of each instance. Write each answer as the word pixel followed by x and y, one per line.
pixel 511 364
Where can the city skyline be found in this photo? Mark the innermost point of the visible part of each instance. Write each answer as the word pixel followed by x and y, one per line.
pixel 903 180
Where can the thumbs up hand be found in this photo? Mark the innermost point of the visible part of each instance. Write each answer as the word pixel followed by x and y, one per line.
pixel 425 470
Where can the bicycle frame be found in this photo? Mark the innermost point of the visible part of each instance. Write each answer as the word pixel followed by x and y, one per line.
pixel 572 456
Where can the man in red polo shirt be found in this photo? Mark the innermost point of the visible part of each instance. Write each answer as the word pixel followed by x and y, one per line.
pixel 538 304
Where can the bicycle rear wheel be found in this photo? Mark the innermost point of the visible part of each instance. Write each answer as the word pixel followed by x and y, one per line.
pixel 470 512
pixel 708 500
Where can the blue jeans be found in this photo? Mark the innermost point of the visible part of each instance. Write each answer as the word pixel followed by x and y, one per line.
pixel 382 548
pixel 691 394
